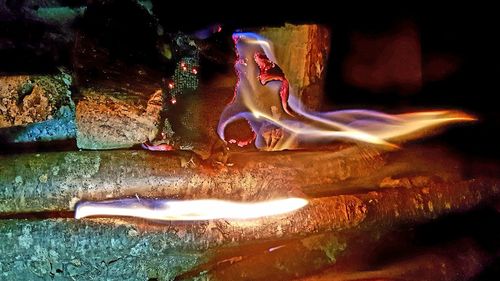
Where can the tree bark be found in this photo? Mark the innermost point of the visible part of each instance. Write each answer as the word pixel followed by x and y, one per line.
pixel 108 119
pixel 56 181
pixel 145 245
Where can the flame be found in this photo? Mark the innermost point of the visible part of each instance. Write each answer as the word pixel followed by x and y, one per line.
pixel 257 100
pixel 189 210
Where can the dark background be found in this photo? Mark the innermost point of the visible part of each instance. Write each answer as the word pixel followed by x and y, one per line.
pixel 463 34
pixel 453 47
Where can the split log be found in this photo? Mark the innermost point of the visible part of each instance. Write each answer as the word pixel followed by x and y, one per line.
pixel 191 122
pixel 56 181
pixel 302 53
pixel 109 119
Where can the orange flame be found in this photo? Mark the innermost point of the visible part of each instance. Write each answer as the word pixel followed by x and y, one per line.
pixel 189 210
pixel 277 129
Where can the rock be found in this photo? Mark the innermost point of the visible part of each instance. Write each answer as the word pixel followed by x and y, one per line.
pixel 302 53
pixel 36 108
pixel 109 119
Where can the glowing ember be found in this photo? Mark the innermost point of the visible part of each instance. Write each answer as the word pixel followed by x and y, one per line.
pixel 157 147
pixel 264 98
pixel 189 210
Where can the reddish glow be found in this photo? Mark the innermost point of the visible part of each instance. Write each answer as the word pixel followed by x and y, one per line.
pixel 184 68
pixel 269 71
pixel 171 85
pixel 188 210
pixel 195 71
pixel 243 143
pixel 276 128
pixel 158 147
pixel 173 100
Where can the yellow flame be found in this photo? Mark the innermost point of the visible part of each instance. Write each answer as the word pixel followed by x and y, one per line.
pixel 188 210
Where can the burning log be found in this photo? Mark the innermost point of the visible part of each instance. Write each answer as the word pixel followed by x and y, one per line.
pixel 274 125
pixel 55 181
pixel 96 246
pixel 302 52
pixel 36 108
pixel 194 116
pixel 107 120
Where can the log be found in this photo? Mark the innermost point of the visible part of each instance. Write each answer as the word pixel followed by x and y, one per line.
pixel 403 195
pixel 56 181
pixel 86 250
pixel 308 44
pixel 98 247
pixel 284 260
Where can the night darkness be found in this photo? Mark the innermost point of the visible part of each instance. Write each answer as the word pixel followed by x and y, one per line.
pixel 457 54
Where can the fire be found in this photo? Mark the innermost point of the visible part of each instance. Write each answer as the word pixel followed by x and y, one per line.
pixel 188 210
pixel 280 121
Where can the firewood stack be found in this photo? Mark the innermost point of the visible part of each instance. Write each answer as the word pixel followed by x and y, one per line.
pixel 367 207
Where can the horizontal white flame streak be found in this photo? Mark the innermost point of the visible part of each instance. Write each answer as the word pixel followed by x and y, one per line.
pixel 188 210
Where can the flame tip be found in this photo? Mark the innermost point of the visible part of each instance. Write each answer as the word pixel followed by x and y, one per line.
pixel 289 124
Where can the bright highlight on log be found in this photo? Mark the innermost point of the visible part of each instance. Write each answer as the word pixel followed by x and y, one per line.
pixel 188 210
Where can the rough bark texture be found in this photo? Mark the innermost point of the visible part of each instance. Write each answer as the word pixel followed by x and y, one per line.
pixel 144 246
pixel 107 119
pixel 55 181
pixel 302 53
pixel 72 250
pixel 407 187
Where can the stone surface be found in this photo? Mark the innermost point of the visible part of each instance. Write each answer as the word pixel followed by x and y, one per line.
pixel 36 108
pixel 109 119
pixel 28 99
